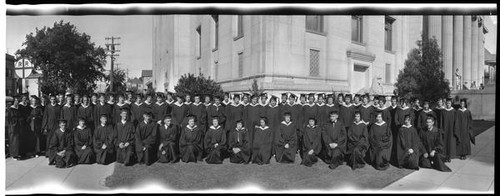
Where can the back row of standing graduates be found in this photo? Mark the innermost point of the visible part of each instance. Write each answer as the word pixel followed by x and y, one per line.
pixel 273 128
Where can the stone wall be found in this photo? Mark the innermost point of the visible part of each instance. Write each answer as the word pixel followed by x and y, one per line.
pixel 480 102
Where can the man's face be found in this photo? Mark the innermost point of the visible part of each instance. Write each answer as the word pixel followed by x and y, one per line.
pixel 33 101
pixel 379 118
pixel 302 99
pixel 357 117
pixel 407 121
pixel 236 100
pixel 197 99
pixel 104 120
pixel 159 99
pixel 417 102
pixel 191 122
pixel 311 122
pixel 283 98
pixel 121 99
pixel 81 123
pixel 85 100
pixel 94 98
pixel 426 105
pixel 226 97
pixel 287 118
pixel 215 122
pixel 254 100
pixel 462 104
pixel 348 100
pixel 111 98
pixel 207 99
pixel 430 123
pixel 291 100
pixel 245 99
pixel 62 125
pixel 356 99
pixel 273 102
pixel 311 99
pixel 102 98
pixel 333 117
pixel 239 125
pixel 188 98
pixel 448 104
pixel 440 102
pixel 330 100
pixel 365 100
pixel 217 100
pixel 321 99
pixel 124 115
pixel 69 99
pixel 77 98
pixel 53 100
pixel 394 102
pixel 149 99
pixel 129 96
pixel 263 99
pixel 147 118
pixel 168 121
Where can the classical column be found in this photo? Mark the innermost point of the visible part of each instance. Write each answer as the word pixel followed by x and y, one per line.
pixel 475 51
pixel 447 47
pixel 458 44
pixel 480 66
pixel 435 28
pixel 467 50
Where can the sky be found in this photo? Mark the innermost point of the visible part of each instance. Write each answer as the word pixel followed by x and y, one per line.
pixel 490 42
pixel 135 32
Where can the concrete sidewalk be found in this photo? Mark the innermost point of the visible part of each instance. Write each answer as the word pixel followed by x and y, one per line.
pixel 476 174
pixel 33 175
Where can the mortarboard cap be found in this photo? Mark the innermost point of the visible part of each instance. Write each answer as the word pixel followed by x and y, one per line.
pixel 311 94
pixel 236 95
pixel 274 97
pixel 293 96
pixel 303 95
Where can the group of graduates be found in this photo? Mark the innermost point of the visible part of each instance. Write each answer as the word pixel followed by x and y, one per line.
pixel 73 129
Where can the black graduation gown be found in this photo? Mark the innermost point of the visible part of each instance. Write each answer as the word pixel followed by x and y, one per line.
pixel 286 134
pixel 347 115
pixel 137 111
pixel 262 143
pixel 36 138
pixel 380 139
pixel 438 111
pixel 366 112
pixel 190 144
pixel 234 113
pixel 215 110
pixel 15 123
pixel 334 133
pixel 83 137
pixel 200 113
pixel 159 111
pixel 145 137
pixel 148 108
pixel 312 141
pixel 422 119
pixel 273 120
pixel 168 144
pixel 450 132
pixel 392 112
pixel 100 109
pixel 399 119
pixel 295 111
pixel 51 114
pixel 179 112
pixel 239 139
pixel 322 115
pixel 408 139
pixel 252 118
pixel 125 133
pixel 117 110
pixel 69 114
pixel 104 135
pixel 86 113
pixel 59 142
pixel 416 111
pixel 357 145
pixel 463 125
pixel 215 135
pixel 432 140
pixel 308 111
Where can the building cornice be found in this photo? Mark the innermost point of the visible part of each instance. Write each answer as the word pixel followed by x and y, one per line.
pixel 361 55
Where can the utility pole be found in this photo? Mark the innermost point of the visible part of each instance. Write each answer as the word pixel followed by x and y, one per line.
pixel 112 54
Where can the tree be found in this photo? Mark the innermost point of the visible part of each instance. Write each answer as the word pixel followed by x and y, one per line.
pixel 66 57
pixel 118 80
pixel 255 90
pixel 423 76
pixel 193 85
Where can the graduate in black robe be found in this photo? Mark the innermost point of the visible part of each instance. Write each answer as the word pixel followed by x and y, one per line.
pixel 408 145
pixel 309 110
pixel 160 108
pixel 15 123
pixel 357 143
pixel 145 140
pixel 335 141
pixel 272 113
pixel 83 143
pixel 262 143
pixel 86 111
pixel 112 104
pixel 366 111
pixel 422 116
pixel 380 139
pixel 190 141
pixel 347 112
pixel 198 110
pixel 215 142
pixel 147 106
pixel 35 124
pixel 401 112
pixel 450 137
pixel 286 141
pixel 68 112
pixel 179 112
pixel 252 117
pixel 416 109
pixel 438 110
pixel 102 107
pixel 216 109
pixel 125 139
pixel 118 107
pixel 239 144
pixel 331 105
pixel 463 124
pixel 392 111
pixel 51 114
pixel 311 135
pixel 61 146
pixel 322 114
pixel 432 147
pixel 104 141
pixel 168 149
pixel 137 110
pixel 234 112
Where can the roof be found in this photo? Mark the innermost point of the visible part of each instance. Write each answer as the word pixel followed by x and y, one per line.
pixel 489 58
pixel 147 73
pixel 135 81
pixel 34 75
pixel 9 57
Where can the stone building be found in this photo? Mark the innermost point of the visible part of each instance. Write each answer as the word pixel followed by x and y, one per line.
pixel 313 53
pixel 10 76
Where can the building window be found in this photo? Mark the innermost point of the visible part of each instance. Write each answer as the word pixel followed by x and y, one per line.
pixel 357 28
pixel 239 26
pixel 387 73
pixel 240 64
pixel 198 40
pixel 388 33
pixel 313 62
pixel 216 32
pixel 314 23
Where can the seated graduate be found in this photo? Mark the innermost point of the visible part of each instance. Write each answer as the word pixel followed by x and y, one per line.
pixel 380 139
pixel 61 144
pixel 286 140
pixel 262 142
pixel 125 139
pixel 239 144
pixel 408 144
pixel 104 141
pixel 190 141
pixel 357 142
pixel 432 147
pixel 83 143
pixel 145 139
pixel 215 142
pixel 334 138
pixel 311 135
pixel 167 151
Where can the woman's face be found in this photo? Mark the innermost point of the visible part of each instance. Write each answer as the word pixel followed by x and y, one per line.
pixel 262 122
pixel 81 123
pixel 357 117
pixel 215 122
pixel 239 125
pixel 191 122
pixel 379 118
pixel 311 122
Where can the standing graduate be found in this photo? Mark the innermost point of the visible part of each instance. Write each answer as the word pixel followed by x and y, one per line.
pixel 94 99
pixel 129 98
pixel 187 100
pixel 340 99
pixel 399 118
pixel 179 111
pixel 216 109
pixel 322 114
pixel 438 110
pixel 252 117
pixel 234 112
pixel 450 132
pixel 384 109
pixel 148 105
pixel 239 144
pixel 51 114
pixel 145 140
pixel 294 109
pixel 357 100
pixel 432 147
pixel 463 125
pixel 334 139
pixel 416 109
pixel 60 99
pixel 262 143
pixel 77 100
pixel 422 116
pixel 15 123
pixel 104 141
pixel 159 109
pixel 284 99
pixel 357 143
pixel 309 110
pixel 272 113
pixel 137 110
pixel 408 145
pixel 35 123
pixel 68 112
pixel 366 111
pixel 311 137
pixel 86 111
pixel 380 139
pixel 330 105
pixel 102 107
pixel 168 149
pixel 169 100
pixel 125 139
pixel 392 109
pixel 215 142
pixel 347 112
pixel 198 110
pixel 190 142
pixel 207 101
pixel 286 141
pixel 61 146
pixel 226 101
pixel 111 102
pixel 118 107
pixel 302 99
pixel 83 143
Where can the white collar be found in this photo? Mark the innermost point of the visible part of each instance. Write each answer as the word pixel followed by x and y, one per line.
pixel 291 104
pixel 253 105
pixel 360 122
pixel 314 126
pixel 345 105
pixel 242 129
pixel 226 102
pixel 85 106
pixel 196 104
pixel 138 104
pixel 145 102
pixel 427 111
pixel 356 104
pixel 366 106
pixel 123 122
pixel 212 127
pixel 310 104
pixel 287 124
pixel 67 105
pixel 207 104
pixel 330 105
pixel 260 103
pixel 463 110
pixel 405 108
pixel 380 124
pixel 380 108
pixel 62 130
pixel 191 128
pixel 217 105
pixel 23 104
pixel 263 128
pixel 272 106
pixel 33 106
pixel 166 126
pixel 53 104
pixel 12 106
pixel 81 128
pixel 161 103
pixel 394 106
pixel 244 104
pixel 450 109
pixel 187 103
pixel 120 104
pixel 177 104
pixel 169 102
pixel 322 104
pixel 111 103
pixel 235 105
pixel 406 126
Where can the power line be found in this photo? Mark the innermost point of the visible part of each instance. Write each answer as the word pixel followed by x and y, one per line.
pixel 110 47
